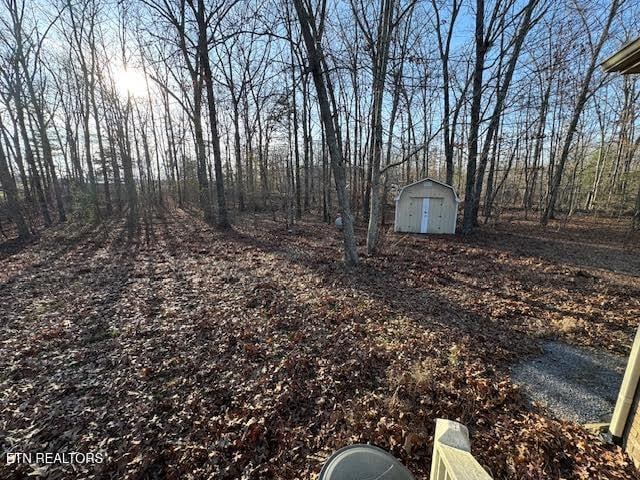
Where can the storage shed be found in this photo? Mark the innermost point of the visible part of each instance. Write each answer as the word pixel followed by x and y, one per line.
pixel 426 206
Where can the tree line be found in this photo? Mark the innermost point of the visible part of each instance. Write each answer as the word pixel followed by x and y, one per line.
pixel 319 106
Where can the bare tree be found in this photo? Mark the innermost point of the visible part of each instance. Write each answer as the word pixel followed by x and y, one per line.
pixel 312 35
pixel 581 99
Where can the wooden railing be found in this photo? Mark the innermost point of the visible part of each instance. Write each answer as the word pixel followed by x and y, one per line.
pixel 452 459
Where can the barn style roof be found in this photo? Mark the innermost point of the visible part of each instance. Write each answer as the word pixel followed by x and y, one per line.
pixel 626 61
pixel 455 195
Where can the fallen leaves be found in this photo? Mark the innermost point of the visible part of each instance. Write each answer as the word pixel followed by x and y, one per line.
pixel 188 353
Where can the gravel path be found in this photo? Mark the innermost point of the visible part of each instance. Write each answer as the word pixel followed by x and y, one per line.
pixel 574 383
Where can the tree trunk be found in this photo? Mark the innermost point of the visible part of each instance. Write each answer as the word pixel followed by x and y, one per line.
pixel 44 208
pixel 203 50
pixel 474 128
pixel 379 77
pixel 322 84
pixel 523 29
pixel 581 100
pixel 236 150
pixel 11 191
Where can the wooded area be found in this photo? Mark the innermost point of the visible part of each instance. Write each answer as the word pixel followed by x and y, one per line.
pixel 242 106
pixel 175 291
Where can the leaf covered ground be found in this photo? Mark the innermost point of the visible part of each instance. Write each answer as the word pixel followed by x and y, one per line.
pixel 186 353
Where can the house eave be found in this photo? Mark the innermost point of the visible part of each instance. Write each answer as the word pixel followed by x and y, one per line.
pixel 626 60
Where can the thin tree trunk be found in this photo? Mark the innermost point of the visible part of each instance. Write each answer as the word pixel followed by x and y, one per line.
pixel 581 100
pixel 323 84
pixel 11 192
pixel 203 50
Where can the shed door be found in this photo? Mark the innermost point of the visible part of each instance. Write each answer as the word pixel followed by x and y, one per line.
pixel 436 215
pixel 424 223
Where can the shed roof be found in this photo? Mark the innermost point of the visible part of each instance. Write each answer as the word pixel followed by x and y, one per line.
pixel 625 61
pixel 455 195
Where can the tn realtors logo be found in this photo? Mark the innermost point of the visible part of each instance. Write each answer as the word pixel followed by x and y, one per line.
pixel 50 458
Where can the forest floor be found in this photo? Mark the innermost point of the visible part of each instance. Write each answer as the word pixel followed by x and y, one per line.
pixel 183 352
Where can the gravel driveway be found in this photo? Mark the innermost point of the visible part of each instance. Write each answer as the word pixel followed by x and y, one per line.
pixel 574 383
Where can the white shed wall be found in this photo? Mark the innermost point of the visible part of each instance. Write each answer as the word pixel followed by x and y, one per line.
pixel 426 203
